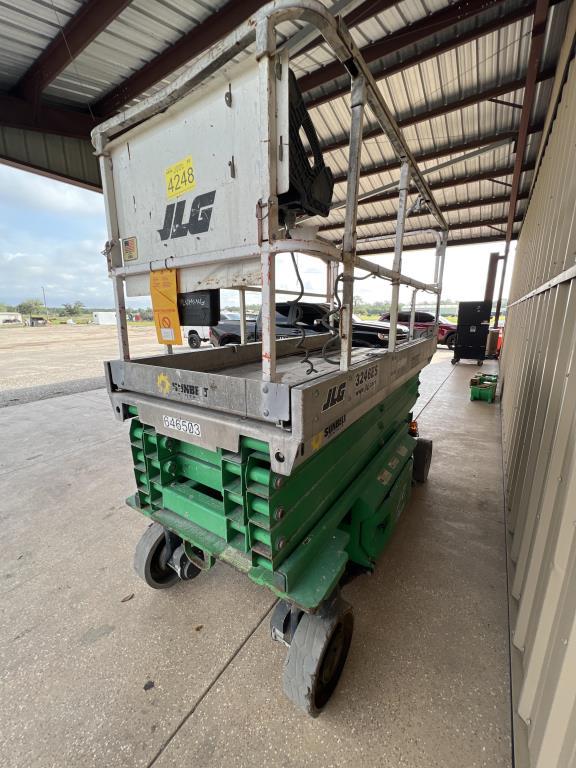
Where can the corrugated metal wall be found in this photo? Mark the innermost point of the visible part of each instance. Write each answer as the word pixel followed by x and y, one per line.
pixel 58 157
pixel 539 440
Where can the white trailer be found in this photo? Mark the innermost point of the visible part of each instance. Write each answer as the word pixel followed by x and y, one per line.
pixel 10 317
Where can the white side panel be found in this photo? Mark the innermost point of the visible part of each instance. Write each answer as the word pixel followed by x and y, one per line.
pixel 201 278
pixel 218 127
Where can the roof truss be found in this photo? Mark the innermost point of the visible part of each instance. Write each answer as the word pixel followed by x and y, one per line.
pixel 92 17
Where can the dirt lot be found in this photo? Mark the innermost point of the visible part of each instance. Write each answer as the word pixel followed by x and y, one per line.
pixel 38 361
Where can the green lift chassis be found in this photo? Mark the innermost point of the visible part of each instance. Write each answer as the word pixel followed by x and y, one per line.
pixel 299 536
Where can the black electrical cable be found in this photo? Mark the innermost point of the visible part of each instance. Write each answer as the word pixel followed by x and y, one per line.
pixel 326 319
pixel 300 345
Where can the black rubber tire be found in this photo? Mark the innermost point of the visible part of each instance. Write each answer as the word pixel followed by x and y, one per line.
pixel 480 362
pixel 194 340
pixel 451 340
pixel 364 344
pixel 454 360
pixel 317 655
pixel 225 340
pixel 148 559
pixel 422 459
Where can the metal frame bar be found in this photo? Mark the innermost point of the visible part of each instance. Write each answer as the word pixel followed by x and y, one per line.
pixel 242 297
pixel 453 208
pixel 439 152
pixel 441 166
pixel 455 226
pixel 430 244
pixel 458 181
pixel 358 105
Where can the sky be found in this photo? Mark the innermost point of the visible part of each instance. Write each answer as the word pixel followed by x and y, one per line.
pixel 52 235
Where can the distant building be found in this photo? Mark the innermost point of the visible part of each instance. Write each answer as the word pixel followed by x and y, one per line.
pixel 104 318
pixel 10 317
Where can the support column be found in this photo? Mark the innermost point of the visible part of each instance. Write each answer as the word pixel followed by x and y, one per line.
pixel 491 277
pixel 439 271
pixel 501 289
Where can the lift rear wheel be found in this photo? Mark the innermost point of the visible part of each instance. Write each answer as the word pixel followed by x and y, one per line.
pixel 422 460
pixel 151 559
pixel 317 655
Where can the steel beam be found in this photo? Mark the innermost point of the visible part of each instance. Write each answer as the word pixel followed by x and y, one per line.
pixel 491 277
pixel 463 206
pixel 424 27
pixel 88 22
pixel 435 154
pixel 17 113
pixel 417 58
pixel 532 78
pixel 432 244
pixel 374 192
pixel 453 228
pixel 450 106
pixel 217 25
pixel 201 37
pixel 534 61
pixel 470 178
pixel 373 133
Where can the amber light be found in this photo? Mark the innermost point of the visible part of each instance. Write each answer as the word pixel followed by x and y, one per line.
pixel 413 429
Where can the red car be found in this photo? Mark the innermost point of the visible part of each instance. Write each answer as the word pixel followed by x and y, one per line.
pixel 423 322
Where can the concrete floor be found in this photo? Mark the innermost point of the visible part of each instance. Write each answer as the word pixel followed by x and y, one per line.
pixel 98 670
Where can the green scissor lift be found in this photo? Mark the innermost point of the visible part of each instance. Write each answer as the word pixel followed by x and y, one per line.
pixel 291 456
pixel 299 536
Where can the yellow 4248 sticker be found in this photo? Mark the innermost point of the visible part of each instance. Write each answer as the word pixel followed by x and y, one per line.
pixel 180 177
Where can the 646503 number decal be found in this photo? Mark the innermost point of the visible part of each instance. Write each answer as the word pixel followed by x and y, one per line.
pixel 182 425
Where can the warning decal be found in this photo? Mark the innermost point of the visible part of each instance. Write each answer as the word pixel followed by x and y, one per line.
pixel 164 292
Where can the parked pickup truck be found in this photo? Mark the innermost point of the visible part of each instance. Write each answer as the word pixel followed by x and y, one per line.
pixel 196 334
pixel 291 317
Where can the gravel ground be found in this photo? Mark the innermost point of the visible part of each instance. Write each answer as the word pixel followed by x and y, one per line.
pixel 38 363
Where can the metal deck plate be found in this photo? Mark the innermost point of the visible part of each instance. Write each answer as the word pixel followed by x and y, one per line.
pixel 213 408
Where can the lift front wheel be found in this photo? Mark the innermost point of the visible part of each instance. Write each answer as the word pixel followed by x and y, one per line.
pixel 151 559
pixel 317 655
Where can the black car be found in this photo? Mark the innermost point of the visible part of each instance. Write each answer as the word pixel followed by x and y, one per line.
pixel 291 317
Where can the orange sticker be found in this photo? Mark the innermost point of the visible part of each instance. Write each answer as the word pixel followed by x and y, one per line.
pixel 164 294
